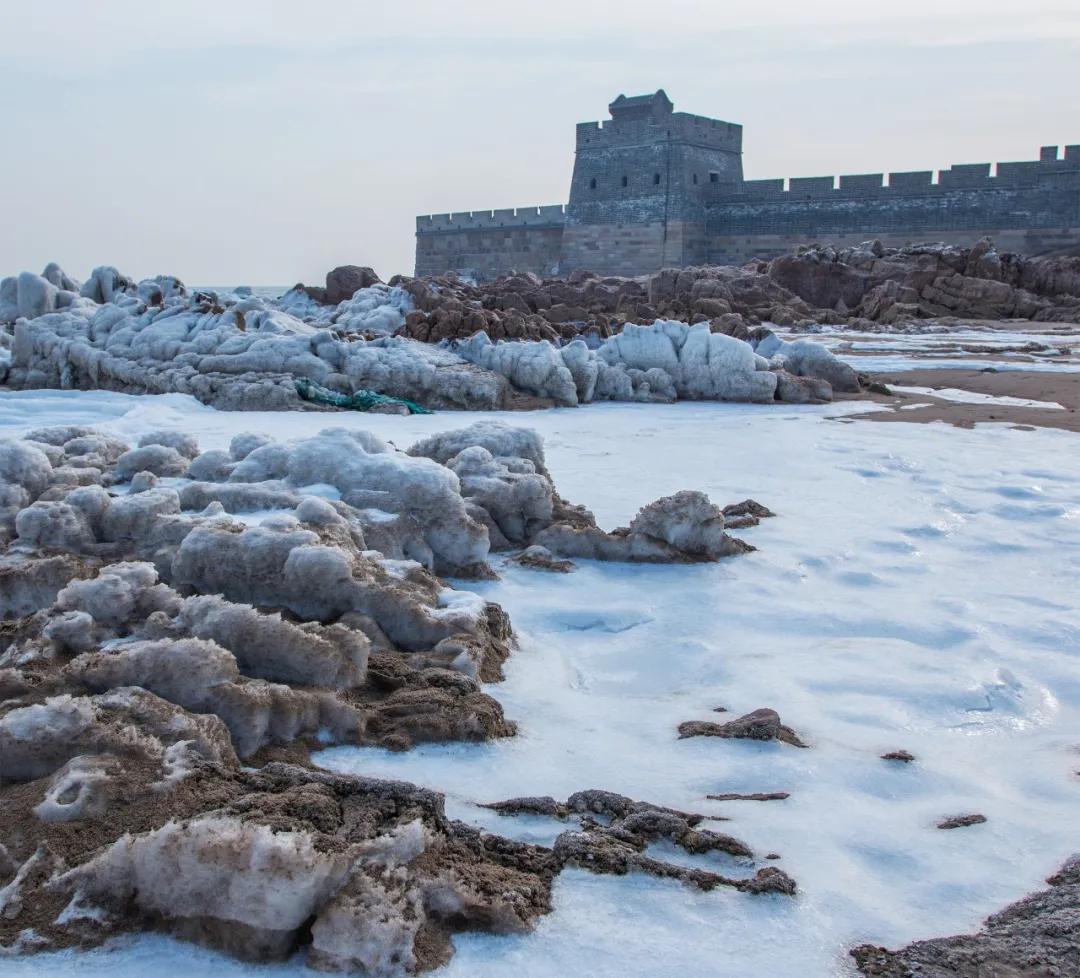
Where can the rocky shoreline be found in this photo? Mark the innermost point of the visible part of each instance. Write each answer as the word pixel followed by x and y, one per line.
pixel 181 627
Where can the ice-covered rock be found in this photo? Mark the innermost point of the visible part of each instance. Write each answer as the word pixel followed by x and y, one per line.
pixel 38 739
pixel 238 351
pixel 684 527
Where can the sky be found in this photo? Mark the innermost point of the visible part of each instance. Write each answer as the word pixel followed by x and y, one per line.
pixel 266 141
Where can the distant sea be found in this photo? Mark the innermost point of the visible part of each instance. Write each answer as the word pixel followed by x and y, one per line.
pixel 262 291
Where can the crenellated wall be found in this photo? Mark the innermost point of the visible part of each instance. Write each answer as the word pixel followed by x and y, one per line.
pixel 656 188
pixel 764 218
pixel 487 244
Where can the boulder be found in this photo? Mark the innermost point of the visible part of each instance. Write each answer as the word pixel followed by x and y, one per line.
pixel 343 281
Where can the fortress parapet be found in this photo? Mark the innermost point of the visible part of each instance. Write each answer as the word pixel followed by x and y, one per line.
pixel 552 215
pixel 653 187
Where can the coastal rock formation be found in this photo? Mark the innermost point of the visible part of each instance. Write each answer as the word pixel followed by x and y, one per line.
pixel 618 845
pixel 238 351
pixel 1039 935
pixel 173 651
pixel 890 285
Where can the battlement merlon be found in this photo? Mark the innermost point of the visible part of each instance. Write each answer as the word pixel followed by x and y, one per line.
pixel 1050 171
pixel 551 215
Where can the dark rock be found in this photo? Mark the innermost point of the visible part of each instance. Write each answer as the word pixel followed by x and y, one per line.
pixel 748 507
pixel 530 805
pixel 754 796
pixel 761 724
pixel 540 558
pixel 961 821
pixel 898 755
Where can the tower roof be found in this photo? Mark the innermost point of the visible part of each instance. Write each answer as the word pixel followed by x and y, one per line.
pixel 641 106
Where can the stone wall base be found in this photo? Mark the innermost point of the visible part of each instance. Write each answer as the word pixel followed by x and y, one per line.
pixel 641 249
pixel 739 249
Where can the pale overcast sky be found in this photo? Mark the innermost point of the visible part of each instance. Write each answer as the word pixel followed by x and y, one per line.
pixel 232 141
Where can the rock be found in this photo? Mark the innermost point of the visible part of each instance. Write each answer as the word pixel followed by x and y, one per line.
pixel 801 390
pixel 344 281
pixel 761 724
pixel 890 285
pixel 532 805
pixel 540 558
pixel 898 755
pixel 961 821
pixel 1037 936
pixel 683 528
pixel 754 796
pixel 739 515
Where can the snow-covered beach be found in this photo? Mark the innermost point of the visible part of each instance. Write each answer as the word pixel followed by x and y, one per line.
pixel 912 593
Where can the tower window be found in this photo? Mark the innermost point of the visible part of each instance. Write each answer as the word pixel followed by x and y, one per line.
pixel 714 177
pixel 695 178
pixel 592 183
pixel 625 181
pixel 656 179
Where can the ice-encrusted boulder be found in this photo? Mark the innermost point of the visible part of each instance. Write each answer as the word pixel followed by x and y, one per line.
pixel 663 362
pixel 38 739
pixel 369 474
pixel 804 358
pixel 684 527
pixel 105 284
pixel 533 367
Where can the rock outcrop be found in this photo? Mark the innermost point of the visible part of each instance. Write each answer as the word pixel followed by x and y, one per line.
pixel 1038 936
pixel 171 653
pixel 617 845
pixel 891 285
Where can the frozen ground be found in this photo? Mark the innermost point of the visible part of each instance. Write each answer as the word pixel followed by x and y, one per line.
pixel 915 591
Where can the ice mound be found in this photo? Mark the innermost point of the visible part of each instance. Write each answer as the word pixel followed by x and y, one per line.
pixel 355 869
pixel 683 528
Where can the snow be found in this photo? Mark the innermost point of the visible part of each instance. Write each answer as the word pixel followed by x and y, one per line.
pixel 914 591
pixel 974 397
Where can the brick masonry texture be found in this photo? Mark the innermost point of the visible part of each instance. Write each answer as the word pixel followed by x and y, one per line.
pixel 653 188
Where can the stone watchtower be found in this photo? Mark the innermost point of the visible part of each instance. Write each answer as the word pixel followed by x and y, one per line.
pixel 640 186
pixel 654 188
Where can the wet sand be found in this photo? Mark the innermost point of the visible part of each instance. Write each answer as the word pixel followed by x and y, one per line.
pixel 1060 388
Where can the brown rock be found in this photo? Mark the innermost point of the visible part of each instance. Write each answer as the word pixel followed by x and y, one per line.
pixel 343 281
pixel 1037 937
pixel 763 724
pixel 802 390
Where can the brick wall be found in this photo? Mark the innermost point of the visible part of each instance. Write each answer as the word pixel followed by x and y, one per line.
pixel 652 188
pixel 487 253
